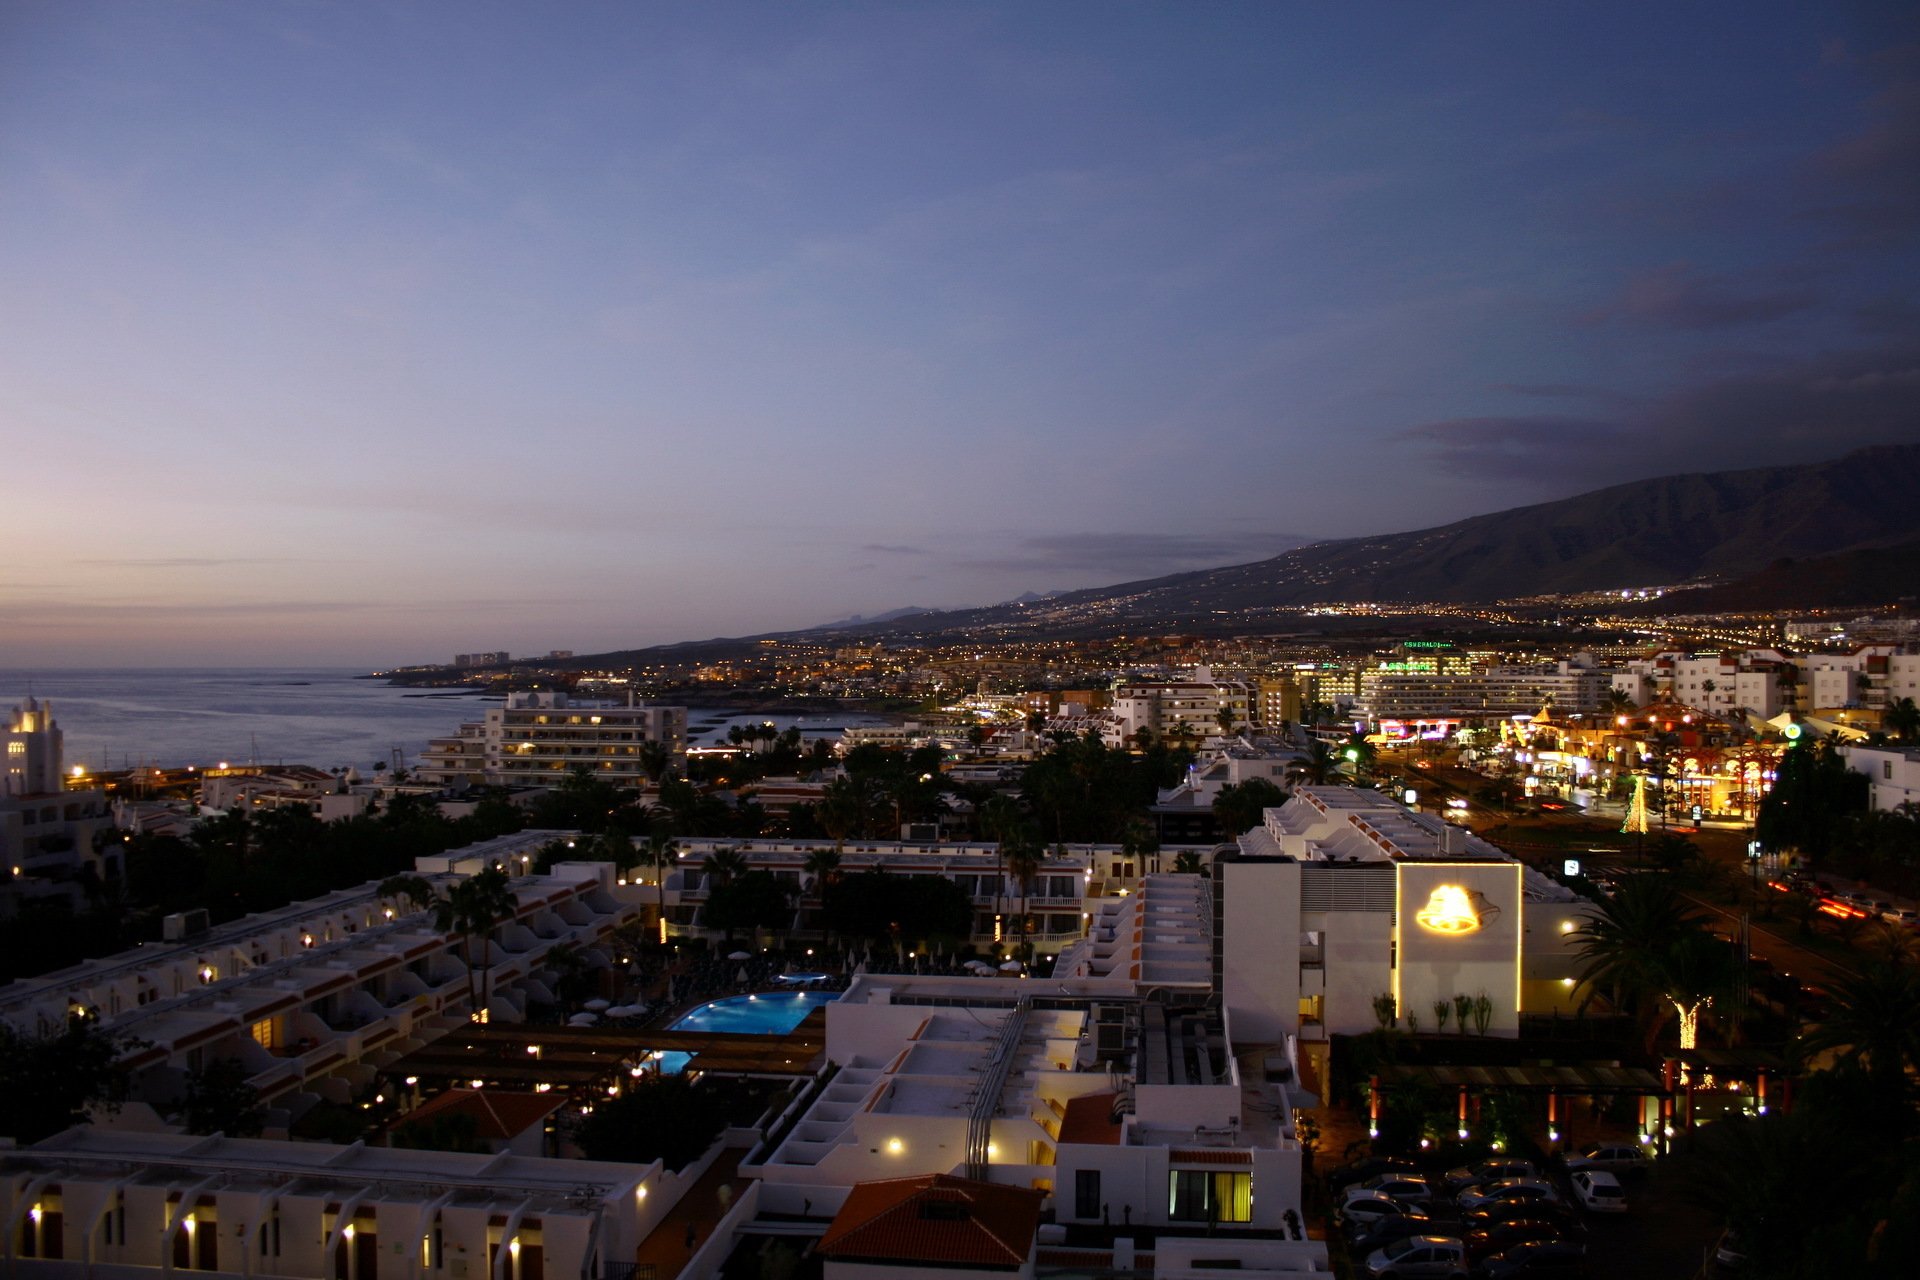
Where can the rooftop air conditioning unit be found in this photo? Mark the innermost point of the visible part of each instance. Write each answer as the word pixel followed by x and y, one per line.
pixel 182 925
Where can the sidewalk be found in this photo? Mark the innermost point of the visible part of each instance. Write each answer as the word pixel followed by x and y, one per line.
pixel 666 1250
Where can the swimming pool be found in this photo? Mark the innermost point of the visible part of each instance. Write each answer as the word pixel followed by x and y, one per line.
pixel 771 1013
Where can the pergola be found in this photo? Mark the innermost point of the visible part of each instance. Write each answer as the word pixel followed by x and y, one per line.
pixel 1555 1081
pixel 582 1059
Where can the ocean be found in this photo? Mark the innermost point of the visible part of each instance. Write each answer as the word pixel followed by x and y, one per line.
pixel 321 716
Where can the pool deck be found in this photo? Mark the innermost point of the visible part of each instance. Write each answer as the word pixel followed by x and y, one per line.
pixel 571 1057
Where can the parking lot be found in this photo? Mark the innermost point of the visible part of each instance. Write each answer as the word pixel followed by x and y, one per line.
pixel 1664 1235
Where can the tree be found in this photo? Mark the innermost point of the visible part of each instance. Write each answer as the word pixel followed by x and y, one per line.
pixel 219 1100
pixel 842 810
pixel 1226 720
pixel 1357 756
pixel 1189 863
pixel 1242 806
pixel 724 864
pixel 824 866
pixel 1874 1022
pixel 668 1119
pixel 751 900
pixel 473 911
pixel 1651 954
pixel 1902 720
pixel 1813 791
pixel 1025 856
pixel 51 1082
pixel 1319 765
pixel 661 854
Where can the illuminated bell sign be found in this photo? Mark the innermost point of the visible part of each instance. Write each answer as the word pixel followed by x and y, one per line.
pixel 1453 909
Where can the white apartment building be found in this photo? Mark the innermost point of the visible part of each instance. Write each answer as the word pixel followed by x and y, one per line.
pixel 536 739
pixel 47 829
pixel 1344 896
pixel 1192 707
pixel 115 1203
pixel 1057 902
pixel 1495 693
pixel 312 997
pixel 1114 1089
pixel 1892 772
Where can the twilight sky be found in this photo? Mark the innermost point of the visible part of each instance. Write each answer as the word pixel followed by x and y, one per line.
pixel 368 333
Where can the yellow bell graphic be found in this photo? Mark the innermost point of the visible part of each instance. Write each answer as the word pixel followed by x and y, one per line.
pixel 1449 910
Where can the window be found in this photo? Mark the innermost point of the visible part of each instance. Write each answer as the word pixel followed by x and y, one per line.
pixel 1086 1193
pixel 1194 1195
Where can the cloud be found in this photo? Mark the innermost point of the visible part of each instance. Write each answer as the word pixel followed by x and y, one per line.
pixel 1135 552
pixel 1764 414
pixel 889 549
pixel 1679 296
pixel 1565 391
pixel 187 562
pixel 1509 446
pixel 1870 183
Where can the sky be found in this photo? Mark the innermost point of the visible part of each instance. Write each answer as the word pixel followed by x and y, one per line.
pixel 371 333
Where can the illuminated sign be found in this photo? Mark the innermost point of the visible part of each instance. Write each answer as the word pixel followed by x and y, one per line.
pixel 1454 909
pixel 1571 866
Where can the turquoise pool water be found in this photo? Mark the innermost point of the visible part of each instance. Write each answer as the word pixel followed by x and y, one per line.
pixel 769 1013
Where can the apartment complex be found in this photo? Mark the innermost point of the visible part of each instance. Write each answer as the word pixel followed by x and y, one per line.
pixel 1176 708
pixel 1495 693
pixel 535 739
pixel 304 995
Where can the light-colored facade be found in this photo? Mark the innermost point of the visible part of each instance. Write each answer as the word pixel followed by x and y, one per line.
pixel 1486 695
pixel 1113 1087
pixel 48 831
pixel 1893 774
pixel 118 1205
pixel 536 739
pixel 1176 707
pixel 1344 896
pixel 304 995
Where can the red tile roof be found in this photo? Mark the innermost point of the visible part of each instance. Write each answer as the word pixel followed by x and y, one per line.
pixel 935 1218
pixel 497 1115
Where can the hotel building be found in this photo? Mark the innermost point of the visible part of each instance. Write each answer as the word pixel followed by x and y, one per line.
pixel 536 739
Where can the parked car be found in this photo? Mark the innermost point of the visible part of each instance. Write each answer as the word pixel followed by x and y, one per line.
pixel 1728 1253
pixel 1599 1191
pixel 1622 1159
pixel 1906 916
pixel 1382 1232
pixel 1524 1189
pixel 1439 1256
pixel 1492 1169
pixel 1541 1258
pixel 1409 1188
pixel 1500 1211
pixel 1360 1170
pixel 1500 1236
pixel 1366 1208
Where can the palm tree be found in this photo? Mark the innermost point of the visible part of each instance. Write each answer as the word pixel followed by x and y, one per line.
pixel 1025 855
pixel 1359 755
pixel 724 864
pixel 1650 953
pixel 999 819
pixel 661 853
pixel 473 911
pixel 1902 719
pixel 1875 1021
pixel 842 810
pixel 1226 720
pixel 656 758
pixel 1319 764
pixel 824 866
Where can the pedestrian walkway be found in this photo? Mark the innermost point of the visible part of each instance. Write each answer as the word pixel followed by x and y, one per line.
pixel 664 1253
